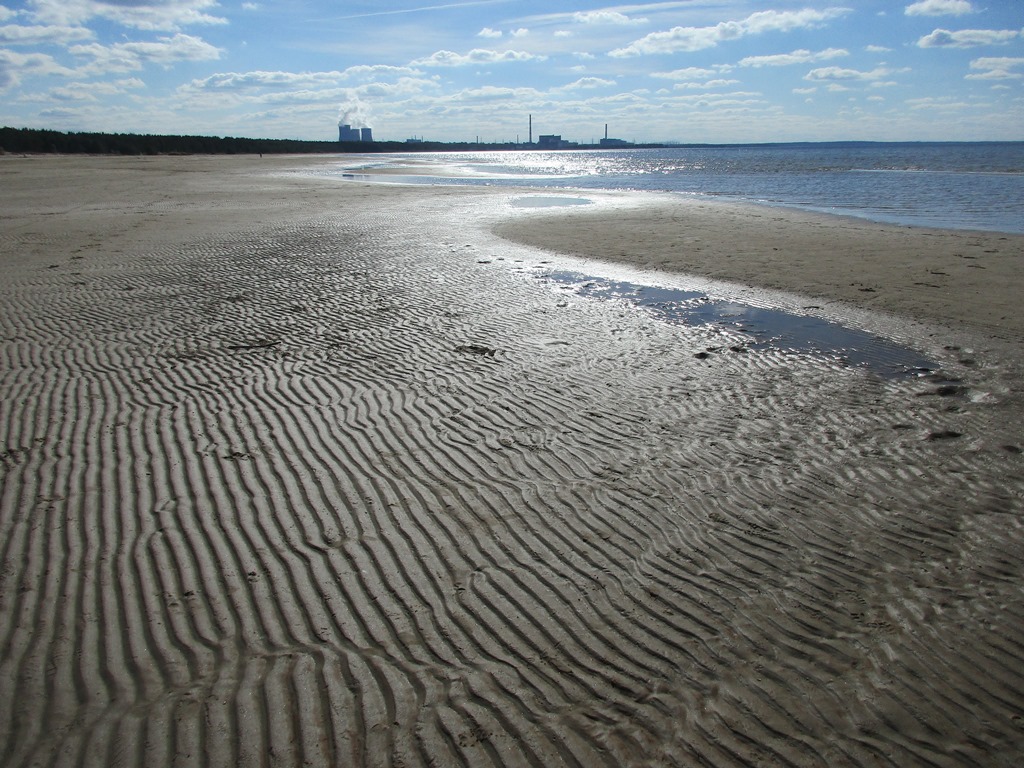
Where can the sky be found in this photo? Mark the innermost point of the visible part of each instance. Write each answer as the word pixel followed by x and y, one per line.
pixel 701 71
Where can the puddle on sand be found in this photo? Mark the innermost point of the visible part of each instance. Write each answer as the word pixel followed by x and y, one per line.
pixel 548 201
pixel 767 328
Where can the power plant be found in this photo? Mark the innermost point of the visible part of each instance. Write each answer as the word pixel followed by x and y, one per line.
pixel 606 142
pixel 348 133
pixel 555 141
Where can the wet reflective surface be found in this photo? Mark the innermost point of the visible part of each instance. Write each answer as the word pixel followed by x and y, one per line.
pixel 548 201
pixel 765 327
pixel 946 185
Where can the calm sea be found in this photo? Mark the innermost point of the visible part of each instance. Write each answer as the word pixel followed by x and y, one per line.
pixel 949 185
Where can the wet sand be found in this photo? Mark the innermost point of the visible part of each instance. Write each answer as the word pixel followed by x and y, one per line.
pixel 959 279
pixel 303 472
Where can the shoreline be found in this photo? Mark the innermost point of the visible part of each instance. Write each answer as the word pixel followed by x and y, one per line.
pixel 321 473
pixel 965 279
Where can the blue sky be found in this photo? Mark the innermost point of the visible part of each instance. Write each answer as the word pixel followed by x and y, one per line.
pixel 689 71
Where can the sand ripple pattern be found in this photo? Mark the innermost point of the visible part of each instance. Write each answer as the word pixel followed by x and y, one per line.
pixel 356 491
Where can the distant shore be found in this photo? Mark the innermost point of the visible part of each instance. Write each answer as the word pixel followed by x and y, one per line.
pixel 44 141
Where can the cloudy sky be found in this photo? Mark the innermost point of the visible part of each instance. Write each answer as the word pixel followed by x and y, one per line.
pixel 689 70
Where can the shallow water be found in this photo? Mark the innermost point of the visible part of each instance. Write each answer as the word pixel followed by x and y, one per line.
pixel 764 327
pixel 974 186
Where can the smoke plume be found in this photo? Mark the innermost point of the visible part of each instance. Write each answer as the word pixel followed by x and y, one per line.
pixel 354 113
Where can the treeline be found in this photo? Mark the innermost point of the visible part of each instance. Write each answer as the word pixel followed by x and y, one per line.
pixel 34 140
pixel 43 141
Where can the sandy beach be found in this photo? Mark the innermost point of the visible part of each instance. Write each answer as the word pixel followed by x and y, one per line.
pixel 299 471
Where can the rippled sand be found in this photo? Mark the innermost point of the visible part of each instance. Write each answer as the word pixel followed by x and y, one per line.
pixel 297 472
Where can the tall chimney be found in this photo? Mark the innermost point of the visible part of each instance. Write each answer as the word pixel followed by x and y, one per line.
pixel 606 130
pixel 531 129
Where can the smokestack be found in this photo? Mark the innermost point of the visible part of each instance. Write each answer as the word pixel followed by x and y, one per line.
pixel 531 129
pixel 606 130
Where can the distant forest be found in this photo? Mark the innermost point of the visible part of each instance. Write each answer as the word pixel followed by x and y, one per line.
pixel 39 141
pixel 33 140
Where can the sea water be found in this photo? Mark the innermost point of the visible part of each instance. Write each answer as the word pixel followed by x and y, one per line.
pixel 977 186
pixel 963 186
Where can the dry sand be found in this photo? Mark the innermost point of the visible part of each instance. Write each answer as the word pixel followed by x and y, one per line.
pixel 302 472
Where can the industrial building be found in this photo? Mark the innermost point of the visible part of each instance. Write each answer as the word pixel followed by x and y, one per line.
pixel 348 133
pixel 607 143
pixel 554 141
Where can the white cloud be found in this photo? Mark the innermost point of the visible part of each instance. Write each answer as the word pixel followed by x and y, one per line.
pixel 64 94
pixel 685 39
pixel 164 15
pixel 105 59
pixel 491 93
pixel 167 50
pixel 301 96
pixel 877 49
pixel 42 35
pixel 939 8
pixel 705 85
pixel 734 99
pixel 359 103
pixel 689 73
pixel 796 57
pixel 404 86
pixel 997 68
pixel 13 66
pixel 127 57
pixel 90 91
pixel 606 17
pixel 838 74
pixel 261 79
pixel 475 57
pixel 358 100
pixel 6 13
pixel 489 33
pixel 374 70
pixel 967 38
pixel 61 115
pixel 522 32
pixel 586 83
pixel 121 85
pixel 267 86
pixel 943 103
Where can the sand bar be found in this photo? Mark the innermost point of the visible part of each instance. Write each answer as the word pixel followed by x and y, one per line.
pixel 964 279
pixel 307 472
